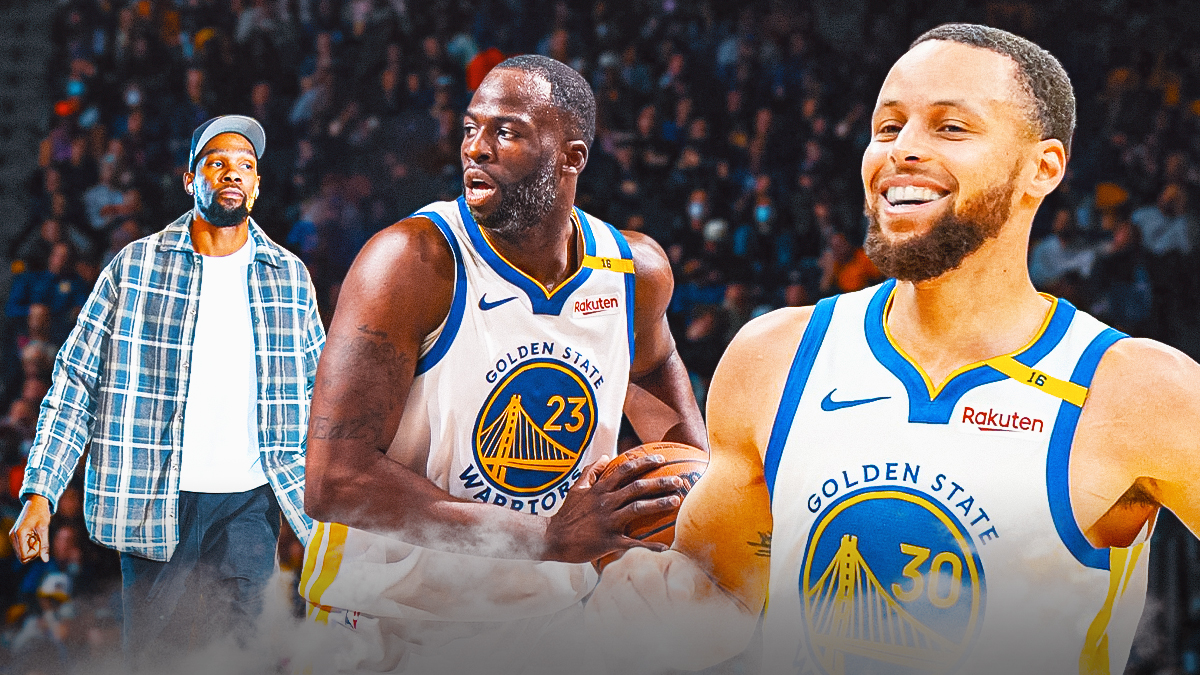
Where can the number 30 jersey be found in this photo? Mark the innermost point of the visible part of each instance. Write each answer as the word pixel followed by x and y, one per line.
pixel 515 393
pixel 929 530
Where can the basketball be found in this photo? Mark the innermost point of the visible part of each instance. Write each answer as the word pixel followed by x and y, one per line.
pixel 684 461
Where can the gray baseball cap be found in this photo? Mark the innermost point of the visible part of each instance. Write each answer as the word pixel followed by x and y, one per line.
pixel 226 124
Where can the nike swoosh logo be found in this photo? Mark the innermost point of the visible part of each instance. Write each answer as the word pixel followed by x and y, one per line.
pixel 829 405
pixel 485 305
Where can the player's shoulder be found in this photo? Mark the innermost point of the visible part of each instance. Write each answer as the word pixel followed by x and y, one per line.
pixel 1144 401
pixel 775 333
pixel 649 258
pixel 752 374
pixel 1141 417
pixel 416 242
pixel 759 355
pixel 654 279
pixel 1144 374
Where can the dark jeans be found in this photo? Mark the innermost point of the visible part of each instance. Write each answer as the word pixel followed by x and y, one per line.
pixel 213 584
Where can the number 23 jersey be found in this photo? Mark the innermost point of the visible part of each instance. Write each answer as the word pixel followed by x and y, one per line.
pixel 522 387
pixel 516 392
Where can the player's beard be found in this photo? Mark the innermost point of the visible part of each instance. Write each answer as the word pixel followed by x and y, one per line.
pixel 219 216
pixel 523 203
pixel 954 236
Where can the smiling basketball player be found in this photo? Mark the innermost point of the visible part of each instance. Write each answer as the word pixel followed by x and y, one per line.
pixel 961 473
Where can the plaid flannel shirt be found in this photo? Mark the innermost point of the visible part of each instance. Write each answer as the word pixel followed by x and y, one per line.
pixel 121 381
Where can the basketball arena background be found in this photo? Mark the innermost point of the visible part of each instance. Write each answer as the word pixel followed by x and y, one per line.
pixel 729 131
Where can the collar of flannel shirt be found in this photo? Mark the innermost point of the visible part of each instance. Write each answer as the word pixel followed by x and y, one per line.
pixel 178 237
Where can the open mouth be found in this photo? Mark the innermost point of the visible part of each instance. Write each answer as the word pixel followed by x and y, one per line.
pixel 477 191
pixel 476 187
pixel 912 195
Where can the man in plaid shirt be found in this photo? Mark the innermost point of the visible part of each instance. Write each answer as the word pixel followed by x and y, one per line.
pixel 189 372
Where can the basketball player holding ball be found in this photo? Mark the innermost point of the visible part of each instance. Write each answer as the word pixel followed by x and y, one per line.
pixel 474 379
pixel 961 474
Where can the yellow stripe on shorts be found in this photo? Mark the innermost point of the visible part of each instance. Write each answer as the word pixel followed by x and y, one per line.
pixel 331 561
pixel 311 554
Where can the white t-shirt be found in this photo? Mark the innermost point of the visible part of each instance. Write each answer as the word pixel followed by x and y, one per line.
pixel 220 423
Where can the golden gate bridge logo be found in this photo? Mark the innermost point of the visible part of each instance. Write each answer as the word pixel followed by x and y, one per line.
pixel 514 441
pixel 534 427
pixel 923 615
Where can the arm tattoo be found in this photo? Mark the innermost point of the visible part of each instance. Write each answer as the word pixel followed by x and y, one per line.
pixel 373 365
pixel 349 429
pixel 762 547
pixel 361 391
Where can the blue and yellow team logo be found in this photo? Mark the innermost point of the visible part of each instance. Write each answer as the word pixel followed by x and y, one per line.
pixel 534 426
pixel 905 597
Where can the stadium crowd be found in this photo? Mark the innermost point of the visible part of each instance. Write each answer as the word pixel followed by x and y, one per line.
pixel 730 132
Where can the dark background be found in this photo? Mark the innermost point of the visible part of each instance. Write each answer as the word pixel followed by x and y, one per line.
pixel 731 132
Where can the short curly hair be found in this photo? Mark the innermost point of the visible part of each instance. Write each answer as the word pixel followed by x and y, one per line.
pixel 569 92
pixel 1040 75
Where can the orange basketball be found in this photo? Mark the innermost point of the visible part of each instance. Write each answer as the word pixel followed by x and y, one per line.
pixel 684 461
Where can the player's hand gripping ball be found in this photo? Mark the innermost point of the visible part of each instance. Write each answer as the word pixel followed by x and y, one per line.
pixel 684 461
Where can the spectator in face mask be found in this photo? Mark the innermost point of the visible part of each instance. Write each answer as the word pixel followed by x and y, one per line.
pixel 698 212
pixel 100 201
pixel 697 209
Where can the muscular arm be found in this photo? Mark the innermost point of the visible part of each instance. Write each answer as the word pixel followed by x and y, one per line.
pixel 397 292
pixel 1137 446
pixel 660 404
pixel 698 604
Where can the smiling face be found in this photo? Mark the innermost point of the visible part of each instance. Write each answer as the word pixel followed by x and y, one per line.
pixel 225 182
pixel 510 151
pixel 949 159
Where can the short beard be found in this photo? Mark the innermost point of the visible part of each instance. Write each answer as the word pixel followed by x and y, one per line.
pixel 219 216
pixel 952 238
pixel 523 204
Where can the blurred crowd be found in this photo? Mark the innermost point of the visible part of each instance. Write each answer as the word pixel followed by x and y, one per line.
pixel 730 132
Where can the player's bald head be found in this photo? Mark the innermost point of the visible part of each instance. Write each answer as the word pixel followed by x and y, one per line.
pixel 1050 99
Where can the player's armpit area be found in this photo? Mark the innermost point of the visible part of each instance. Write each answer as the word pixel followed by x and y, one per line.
pixel 1138 441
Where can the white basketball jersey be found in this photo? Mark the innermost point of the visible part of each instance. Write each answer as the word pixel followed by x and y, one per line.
pixel 923 531
pixel 514 395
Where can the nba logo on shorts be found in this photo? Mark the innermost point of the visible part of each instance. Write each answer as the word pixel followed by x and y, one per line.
pixel 907 598
pixel 534 427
